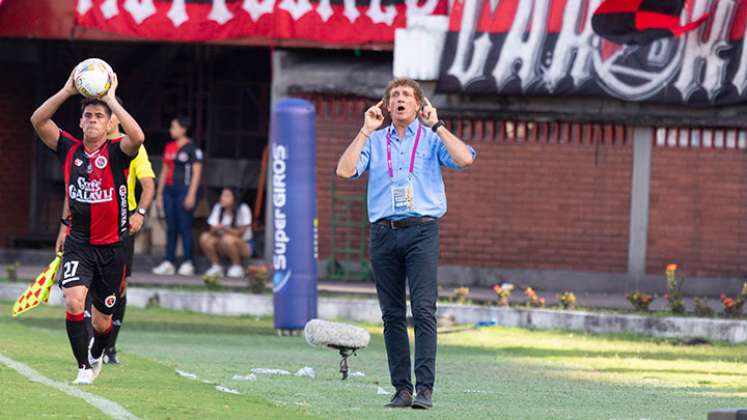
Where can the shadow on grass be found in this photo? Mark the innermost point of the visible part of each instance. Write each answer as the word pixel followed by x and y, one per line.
pixel 668 371
pixel 545 353
pixel 57 323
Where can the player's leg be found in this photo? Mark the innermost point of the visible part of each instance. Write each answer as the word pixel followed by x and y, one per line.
pixel 105 290
pixel 119 308
pixel 77 274
pixel 75 298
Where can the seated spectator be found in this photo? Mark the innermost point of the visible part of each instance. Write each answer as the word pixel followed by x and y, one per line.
pixel 230 235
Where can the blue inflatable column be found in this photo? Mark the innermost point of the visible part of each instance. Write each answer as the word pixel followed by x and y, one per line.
pixel 294 223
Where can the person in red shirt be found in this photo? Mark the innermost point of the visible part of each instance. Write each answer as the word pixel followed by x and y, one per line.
pixel 95 173
pixel 177 195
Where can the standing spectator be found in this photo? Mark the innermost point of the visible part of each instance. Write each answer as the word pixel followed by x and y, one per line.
pixel 177 195
pixel 230 234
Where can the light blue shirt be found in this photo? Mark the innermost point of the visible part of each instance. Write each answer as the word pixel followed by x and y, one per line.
pixel 429 196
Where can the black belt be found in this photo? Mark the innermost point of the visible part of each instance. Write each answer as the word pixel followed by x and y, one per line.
pixel 403 223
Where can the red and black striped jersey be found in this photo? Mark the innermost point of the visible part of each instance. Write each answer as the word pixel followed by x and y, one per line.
pixel 96 186
pixel 179 161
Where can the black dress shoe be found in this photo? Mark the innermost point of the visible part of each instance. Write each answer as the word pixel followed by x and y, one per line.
pixel 110 357
pixel 402 399
pixel 424 399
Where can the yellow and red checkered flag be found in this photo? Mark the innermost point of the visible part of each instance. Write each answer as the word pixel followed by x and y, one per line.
pixel 38 291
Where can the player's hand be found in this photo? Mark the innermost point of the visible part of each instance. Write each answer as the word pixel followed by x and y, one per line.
pixel 374 117
pixel 111 94
pixel 59 245
pixel 136 223
pixel 428 114
pixel 189 202
pixel 69 87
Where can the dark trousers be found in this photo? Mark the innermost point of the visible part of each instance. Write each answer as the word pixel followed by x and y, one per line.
pixel 178 221
pixel 408 253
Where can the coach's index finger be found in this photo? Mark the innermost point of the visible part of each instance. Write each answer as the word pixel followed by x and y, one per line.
pixel 427 102
pixel 379 104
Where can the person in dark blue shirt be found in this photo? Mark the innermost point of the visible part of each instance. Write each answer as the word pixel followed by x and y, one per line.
pixel 406 197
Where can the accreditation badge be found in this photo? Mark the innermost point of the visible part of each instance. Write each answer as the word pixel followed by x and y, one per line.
pixel 403 200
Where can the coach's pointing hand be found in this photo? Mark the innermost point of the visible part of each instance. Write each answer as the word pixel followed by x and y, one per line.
pixel 428 114
pixel 374 117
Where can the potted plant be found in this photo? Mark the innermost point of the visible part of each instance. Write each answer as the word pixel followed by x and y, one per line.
pixel 640 300
pixel 256 276
pixel 533 299
pixel 674 290
pixel 461 295
pixel 568 301
pixel 504 292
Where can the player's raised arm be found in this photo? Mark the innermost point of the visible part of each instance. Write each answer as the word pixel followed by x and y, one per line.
pixel 41 119
pixel 135 136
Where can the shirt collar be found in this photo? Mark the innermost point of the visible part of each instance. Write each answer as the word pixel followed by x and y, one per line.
pixel 411 129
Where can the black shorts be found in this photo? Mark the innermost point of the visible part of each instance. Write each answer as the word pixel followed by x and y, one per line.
pixel 99 268
pixel 129 249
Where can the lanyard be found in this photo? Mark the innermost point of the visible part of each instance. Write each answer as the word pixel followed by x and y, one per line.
pixel 389 151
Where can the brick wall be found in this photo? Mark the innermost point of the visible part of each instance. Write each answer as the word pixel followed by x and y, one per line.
pixel 16 101
pixel 540 195
pixel 698 202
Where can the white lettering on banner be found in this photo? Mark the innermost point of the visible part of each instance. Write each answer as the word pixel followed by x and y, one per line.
pixel 324 10
pixel 220 13
pixel 694 60
pixel 84 6
pixel 572 48
pixel 413 9
pixel 351 11
pixel 705 52
pixel 178 13
pixel 279 197
pixel 470 13
pixel 257 8
pixel 109 9
pixel 378 15
pixel 296 8
pixel 528 52
pixel 90 192
pixel 140 9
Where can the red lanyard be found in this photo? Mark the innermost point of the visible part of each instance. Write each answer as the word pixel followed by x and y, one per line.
pixel 389 151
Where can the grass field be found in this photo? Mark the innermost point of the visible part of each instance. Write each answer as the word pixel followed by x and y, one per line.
pixel 489 373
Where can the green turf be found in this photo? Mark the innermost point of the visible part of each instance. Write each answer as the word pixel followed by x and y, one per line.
pixel 489 373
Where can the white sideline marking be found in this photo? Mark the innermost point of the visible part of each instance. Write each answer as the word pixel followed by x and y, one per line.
pixel 109 408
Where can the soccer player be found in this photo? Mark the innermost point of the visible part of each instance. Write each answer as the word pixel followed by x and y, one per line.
pixel 95 172
pixel 142 171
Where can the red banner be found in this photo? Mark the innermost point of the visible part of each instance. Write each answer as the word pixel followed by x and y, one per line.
pixel 324 21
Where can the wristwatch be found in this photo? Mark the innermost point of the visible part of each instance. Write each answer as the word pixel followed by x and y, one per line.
pixel 437 125
pixel 142 211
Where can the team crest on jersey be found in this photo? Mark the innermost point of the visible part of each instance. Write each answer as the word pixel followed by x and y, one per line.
pixel 101 162
pixel 110 301
pixel 78 162
pixel 183 157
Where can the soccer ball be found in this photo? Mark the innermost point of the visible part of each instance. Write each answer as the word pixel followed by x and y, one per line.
pixel 93 77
